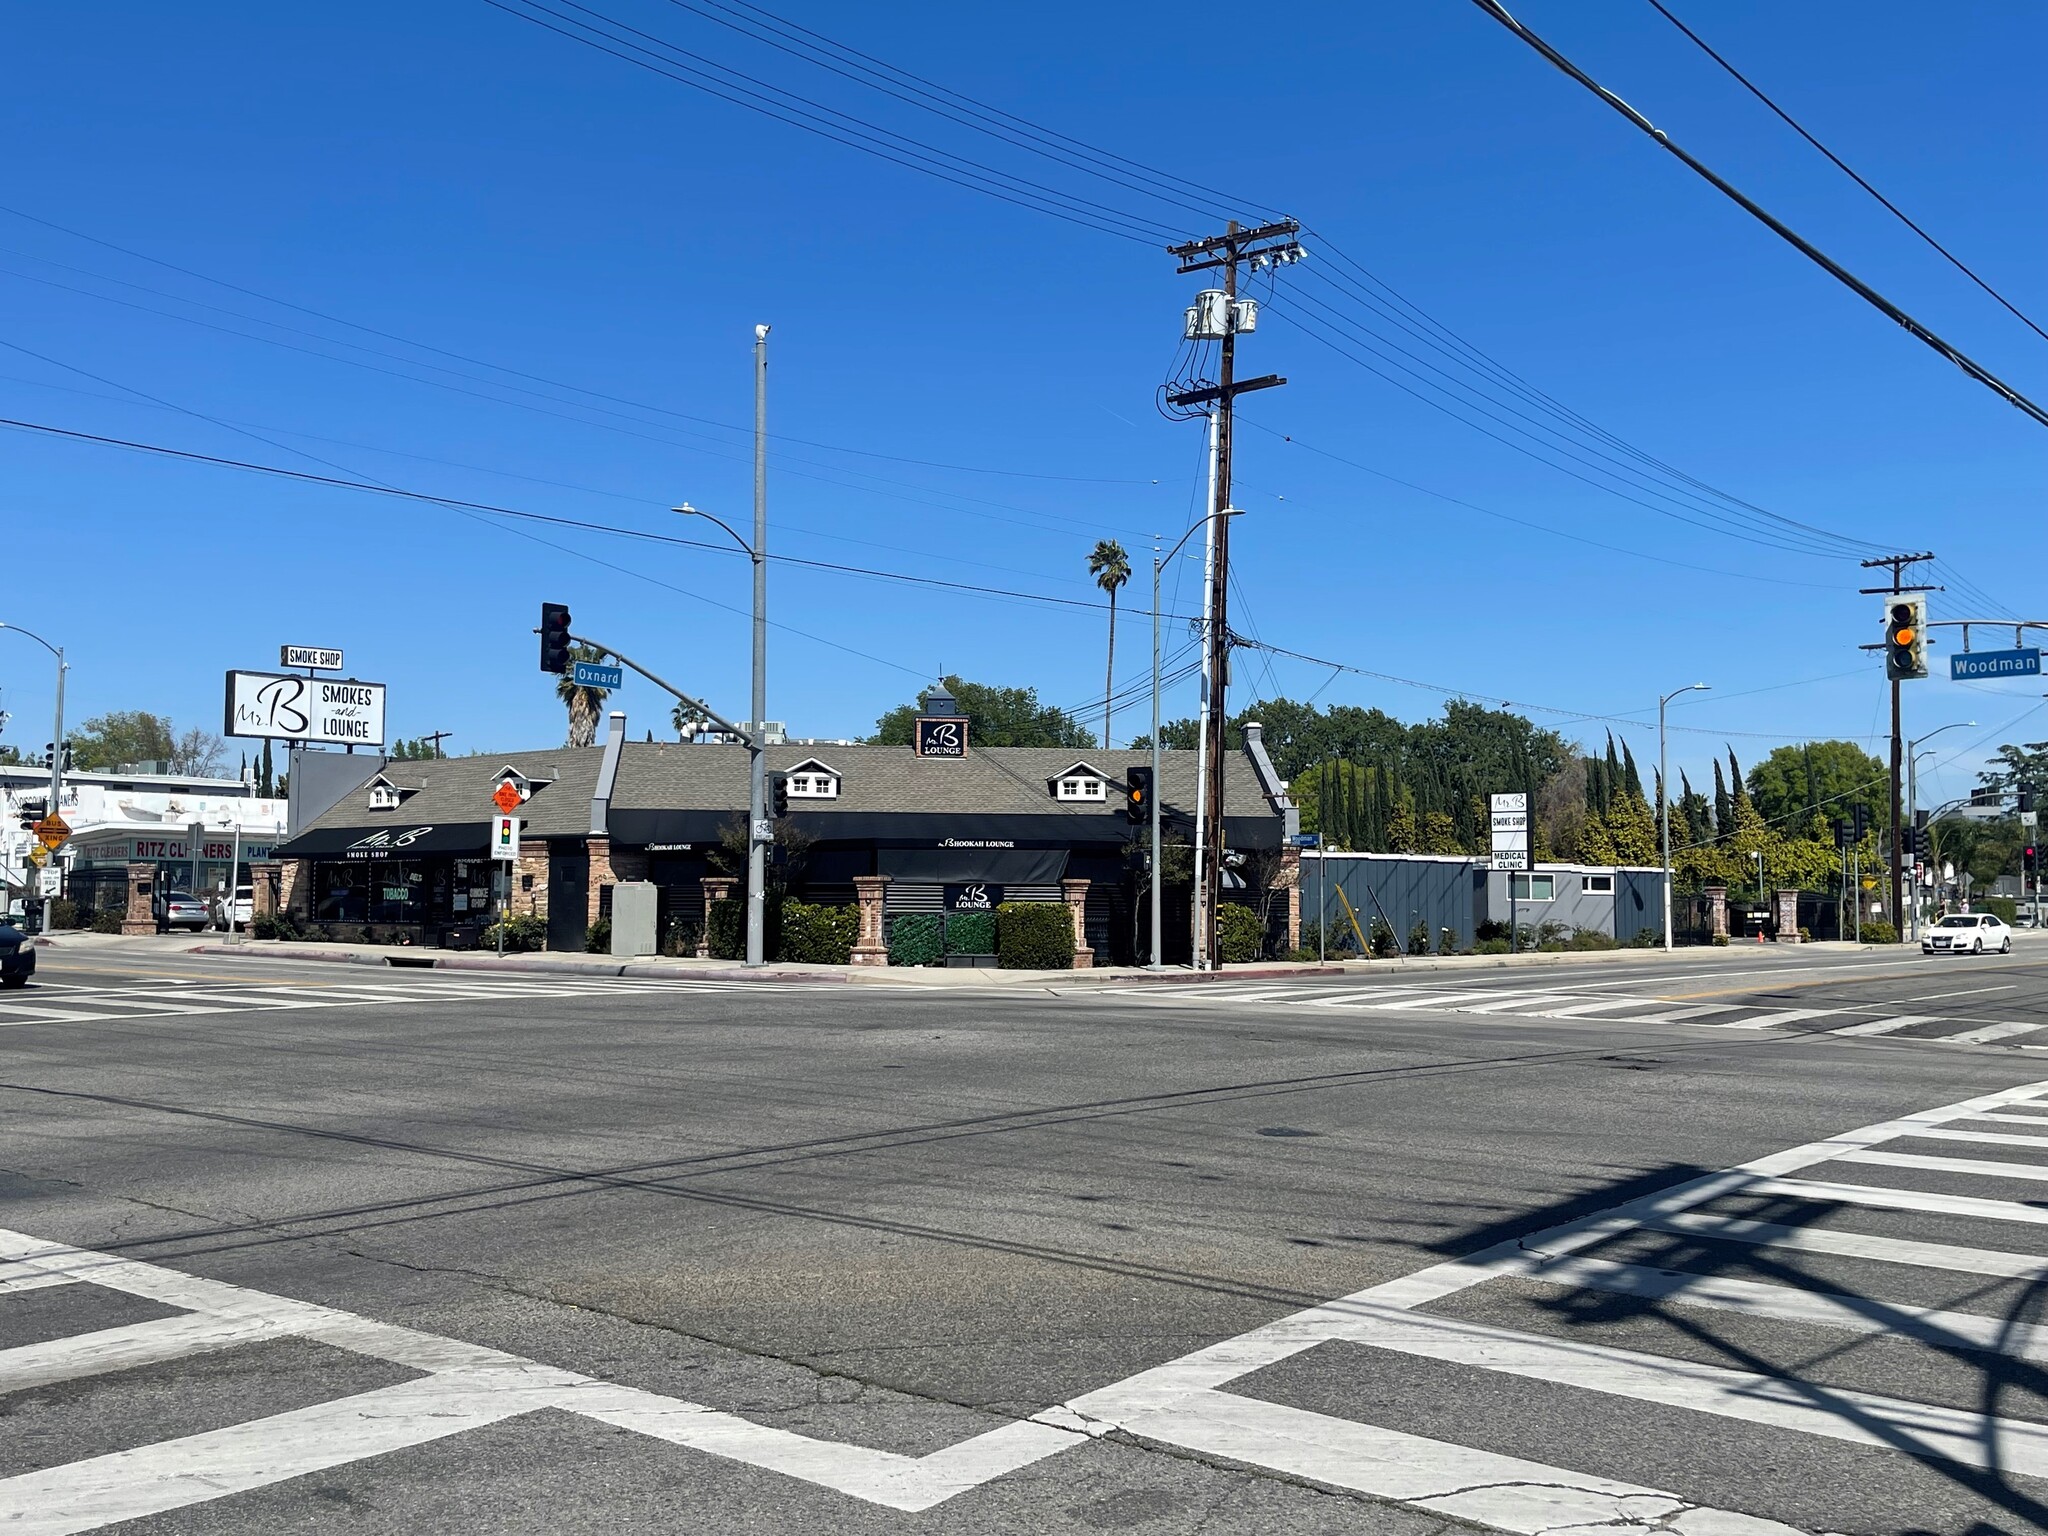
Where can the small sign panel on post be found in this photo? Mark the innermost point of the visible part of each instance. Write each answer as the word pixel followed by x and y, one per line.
pixel 505 838
pixel 1509 816
pixel 506 797
pixel 591 674
pixel 49 882
pixel 314 658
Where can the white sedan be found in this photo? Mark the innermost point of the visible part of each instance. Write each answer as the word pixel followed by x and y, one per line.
pixel 1967 933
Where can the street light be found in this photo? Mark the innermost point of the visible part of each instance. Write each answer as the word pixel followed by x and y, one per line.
pixel 56 738
pixel 1158 565
pixel 1664 801
pixel 1913 756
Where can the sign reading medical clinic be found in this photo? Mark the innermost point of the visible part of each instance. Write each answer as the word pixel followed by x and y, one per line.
pixel 287 708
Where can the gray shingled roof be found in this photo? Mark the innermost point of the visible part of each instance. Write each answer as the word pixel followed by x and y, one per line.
pixel 673 775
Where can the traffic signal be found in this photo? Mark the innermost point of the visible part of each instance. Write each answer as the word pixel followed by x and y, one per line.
pixel 1905 636
pixel 1859 822
pixel 554 637
pixel 1842 838
pixel 778 788
pixel 2025 798
pixel 1138 793
pixel 1912 841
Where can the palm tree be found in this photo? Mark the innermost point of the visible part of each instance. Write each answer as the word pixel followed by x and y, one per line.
pixel 584 703
pixel 1111 568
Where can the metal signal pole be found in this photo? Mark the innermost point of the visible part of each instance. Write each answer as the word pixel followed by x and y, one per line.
pixel 1220 317
pixel 1896 564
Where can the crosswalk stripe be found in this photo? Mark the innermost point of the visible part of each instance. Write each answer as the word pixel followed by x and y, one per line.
pixel 1901 1199
pixel 1985 1167
pixel 124 1348
pixel 9 1284
pixel 1991 1032
pixel 1531 1001
pixel 1788 1304
pixel 1852 1245
pixel 1989 1138
pixel 1833 1413
pixel 151 1479
pixel 1887 1026
pixel 1772 1020
pixel 2040 1120
pixel 1690 1011
pixel 1439 1000
pixel 1605 1005
pixel 1500 1492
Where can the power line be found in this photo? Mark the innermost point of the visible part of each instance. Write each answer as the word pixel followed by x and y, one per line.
pixel 1841 165
pixel 1785 232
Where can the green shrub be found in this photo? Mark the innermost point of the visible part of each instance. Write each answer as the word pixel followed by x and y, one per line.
pixel 1876 932
pixel 818 935
pixel 1490 947
pixel 1492 928
pixel 64 913
pixel 1240 936
pixel 971 933
pixel 1721 940
pixel 1447 941
pixel 1034 936
pixel 1646 938
pixel 108 921
pixel 597 938
pixel 2004 908
pixel 1418 939
pixel 1381 937
pixel 915 939
pixel 726 922
pixel 1590 938
pixel 524 932
pixel 679 939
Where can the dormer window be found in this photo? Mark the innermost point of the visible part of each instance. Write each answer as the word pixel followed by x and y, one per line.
pixel 383 797
pixel 522 784
pixel 813 780
pixel 1081 784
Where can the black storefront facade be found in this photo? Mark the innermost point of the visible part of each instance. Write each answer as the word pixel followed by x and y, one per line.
pixel 419 879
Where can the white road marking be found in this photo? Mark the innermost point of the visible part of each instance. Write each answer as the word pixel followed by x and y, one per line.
pixel 1935 997
pixel 1991 1032
pixel 1993 1138
pixel 2041 1120
pixel 1182 1402
pixel 1449 1000
pixel 1772 1020
pixel 1852 1245
pixel 1606 1005
pixel 1531 1001
pixel 1887 1026
pixel 1987 1168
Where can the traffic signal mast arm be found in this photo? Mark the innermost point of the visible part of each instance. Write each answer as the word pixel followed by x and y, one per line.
pixel 746 737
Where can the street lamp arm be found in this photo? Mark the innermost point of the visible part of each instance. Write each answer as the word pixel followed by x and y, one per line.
pixel 745 548
pixel 56 651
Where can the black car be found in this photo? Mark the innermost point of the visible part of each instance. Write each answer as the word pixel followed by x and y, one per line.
pixel 17 957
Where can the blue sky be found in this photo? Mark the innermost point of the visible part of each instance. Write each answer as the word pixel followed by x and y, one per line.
pixel 455 177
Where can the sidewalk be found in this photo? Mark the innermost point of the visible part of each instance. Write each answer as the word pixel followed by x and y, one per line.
pixel 655 966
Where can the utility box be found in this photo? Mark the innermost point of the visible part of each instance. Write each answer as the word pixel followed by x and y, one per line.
pixel 634 905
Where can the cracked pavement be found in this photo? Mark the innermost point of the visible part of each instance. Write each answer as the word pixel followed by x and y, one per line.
pixel 903 1222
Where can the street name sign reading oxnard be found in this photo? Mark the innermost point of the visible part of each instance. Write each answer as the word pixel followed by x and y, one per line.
pixel 284 707
pixel 1510 824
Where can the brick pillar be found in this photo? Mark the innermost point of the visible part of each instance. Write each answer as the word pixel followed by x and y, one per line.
pixel 266 888
pixel 532 865
pixel 1289 879
pixel 140 918
pixel 1786 904
pixel 871 948
pixel 1076 894
pixel 1717 910
pixel 600 849
pixel 716 888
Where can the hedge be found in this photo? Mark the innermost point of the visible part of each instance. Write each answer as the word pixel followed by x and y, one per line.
pixel 914 939
pixel 726 924
pixel 971 933
pixel 818 935
pixel 523 931
pixel 1034 936
pixel 1240 936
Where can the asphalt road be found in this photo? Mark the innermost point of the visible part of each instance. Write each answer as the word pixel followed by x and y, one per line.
pixel 409 1252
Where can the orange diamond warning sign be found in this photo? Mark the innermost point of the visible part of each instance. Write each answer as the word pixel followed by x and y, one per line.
pixel 507 797
pixel 52 831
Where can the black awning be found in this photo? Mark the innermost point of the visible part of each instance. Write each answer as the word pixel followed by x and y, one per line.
pixel 390 840
pixel 703 828
pixel 954 866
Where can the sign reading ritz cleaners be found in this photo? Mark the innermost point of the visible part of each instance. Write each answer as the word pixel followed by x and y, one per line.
pixel 287 708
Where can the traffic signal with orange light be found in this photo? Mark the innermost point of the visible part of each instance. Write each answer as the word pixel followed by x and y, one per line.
pixel 1138 793
pixel 554 637
pixel 1905 635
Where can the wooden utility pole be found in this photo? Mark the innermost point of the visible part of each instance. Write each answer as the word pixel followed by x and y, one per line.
pixel 1267 245
pixel 1896 564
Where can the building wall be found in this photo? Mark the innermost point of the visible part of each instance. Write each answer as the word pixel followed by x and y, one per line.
pixel 1460 893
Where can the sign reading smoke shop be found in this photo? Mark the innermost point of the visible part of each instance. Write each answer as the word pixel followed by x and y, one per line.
pixel 287 708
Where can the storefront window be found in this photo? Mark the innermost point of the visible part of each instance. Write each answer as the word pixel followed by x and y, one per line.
pixel 397 891
pixel 341 893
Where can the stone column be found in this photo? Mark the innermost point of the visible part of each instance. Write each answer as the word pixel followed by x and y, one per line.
pixel 1786 905
pixel 870 948
pixel 716 888
pixel 140 918
pixel 1076 894
pixel 1289 878
pixel 266 883
pixel 600 849
pixel 1717 910
pixel 532 865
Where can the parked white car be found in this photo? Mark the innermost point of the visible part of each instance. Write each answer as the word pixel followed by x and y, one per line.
pixel 244 908
pixel 1967 933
